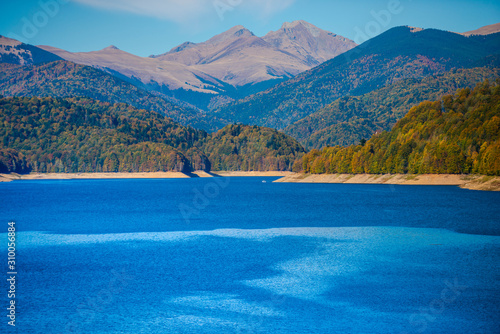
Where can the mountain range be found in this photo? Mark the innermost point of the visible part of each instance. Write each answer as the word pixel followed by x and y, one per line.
pixel 339 101
pixel 66 79
pixel 397 54
pixel 228 66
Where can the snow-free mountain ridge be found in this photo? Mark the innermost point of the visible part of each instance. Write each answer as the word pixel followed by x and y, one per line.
pixel 225 63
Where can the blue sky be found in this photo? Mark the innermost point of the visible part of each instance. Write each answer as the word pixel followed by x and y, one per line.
pixel 145 27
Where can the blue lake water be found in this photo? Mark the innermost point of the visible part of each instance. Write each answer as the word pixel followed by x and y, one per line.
pixel 237 255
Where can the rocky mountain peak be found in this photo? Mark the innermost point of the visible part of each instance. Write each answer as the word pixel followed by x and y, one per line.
pixel 110 48
pixel 312 29
pixel 233 33
pixel 308 42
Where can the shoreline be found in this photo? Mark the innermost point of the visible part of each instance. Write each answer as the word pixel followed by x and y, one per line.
pixel 139 175
pixel 88 176
pixel 472 182
pixel 253 174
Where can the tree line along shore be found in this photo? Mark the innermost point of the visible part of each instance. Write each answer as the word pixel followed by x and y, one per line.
pixel 457 135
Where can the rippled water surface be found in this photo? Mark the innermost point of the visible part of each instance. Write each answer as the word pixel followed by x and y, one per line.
pixel 237 255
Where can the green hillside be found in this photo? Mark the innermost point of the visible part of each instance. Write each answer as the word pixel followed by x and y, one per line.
pixel 251 148
pixel 67 79
pixel 459 134
pixel 350 119
pixel 86 135
pixel 392 56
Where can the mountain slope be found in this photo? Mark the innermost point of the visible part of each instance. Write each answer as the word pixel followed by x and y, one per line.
pixel 353 118
pixel 486 30
pixel 15 52
pixel 66 79
pixel 230 65
pixel 397 54
pixel 459 134
pixel 138 69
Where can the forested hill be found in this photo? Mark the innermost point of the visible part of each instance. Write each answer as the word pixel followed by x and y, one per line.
pixel 399 53
pixel 247 148
pixel 67 79
pixel 459 134
pixel 85 135
pixel 352 118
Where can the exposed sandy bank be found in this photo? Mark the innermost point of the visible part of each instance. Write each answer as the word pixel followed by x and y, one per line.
pixel 153 175
pixel 201 173
pixel 475 182
pixel 70 176
pixel 4 179
pixel 264 174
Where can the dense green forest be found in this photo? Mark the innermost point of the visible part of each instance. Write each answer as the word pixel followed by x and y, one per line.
pixel 397 54
pixel 247 148
pixel 353 118
pixel 67 79
pixel 85 135
pixel 11 161
pixel 458 134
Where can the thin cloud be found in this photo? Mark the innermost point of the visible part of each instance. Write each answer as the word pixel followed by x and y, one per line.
pixel 182 10
pixel 172 10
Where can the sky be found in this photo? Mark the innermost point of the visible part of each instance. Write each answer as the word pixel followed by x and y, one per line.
pixel 151 27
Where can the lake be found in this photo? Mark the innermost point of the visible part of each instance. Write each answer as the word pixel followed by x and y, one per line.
pixel 245 255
